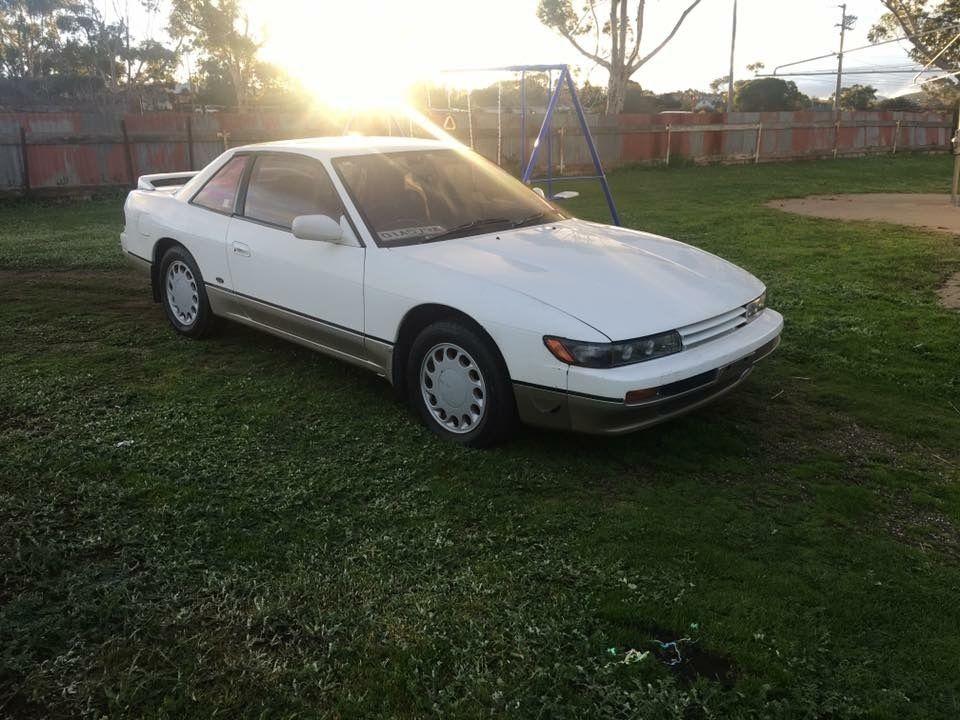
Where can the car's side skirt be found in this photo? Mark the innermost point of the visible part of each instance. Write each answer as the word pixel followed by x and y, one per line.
pixel 353 347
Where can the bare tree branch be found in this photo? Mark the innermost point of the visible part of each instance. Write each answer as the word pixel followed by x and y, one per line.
pixel 639 33
pixel 596 57
pixel 634 66
pixel 596 26
pixel 578 25
pixel 910 28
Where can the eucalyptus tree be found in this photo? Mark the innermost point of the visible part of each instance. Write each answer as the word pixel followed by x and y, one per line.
pixel 609 36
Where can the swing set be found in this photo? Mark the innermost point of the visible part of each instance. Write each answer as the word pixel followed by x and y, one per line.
pixel 528 163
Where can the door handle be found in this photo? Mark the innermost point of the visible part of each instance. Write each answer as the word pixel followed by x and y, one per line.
pixel 241 249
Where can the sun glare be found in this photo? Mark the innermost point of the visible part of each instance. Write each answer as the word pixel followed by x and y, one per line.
pixel 367 54
pixel 353 55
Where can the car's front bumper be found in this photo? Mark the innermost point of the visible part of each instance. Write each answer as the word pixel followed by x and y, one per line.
pixel 682 384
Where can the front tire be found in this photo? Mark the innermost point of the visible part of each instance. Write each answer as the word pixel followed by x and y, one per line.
pixel 459 386
pixel 183 294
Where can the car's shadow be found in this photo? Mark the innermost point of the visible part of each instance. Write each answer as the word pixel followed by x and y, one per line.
pixel 722 430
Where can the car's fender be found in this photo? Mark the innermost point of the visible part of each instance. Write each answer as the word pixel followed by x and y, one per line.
pixel 152 217
pixel 394 286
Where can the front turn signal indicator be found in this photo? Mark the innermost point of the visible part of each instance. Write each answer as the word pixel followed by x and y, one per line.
pixel 559 351
pixel 638 396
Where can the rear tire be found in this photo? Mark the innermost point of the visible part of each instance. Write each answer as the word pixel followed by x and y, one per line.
pixel 183 294
pixel 459 386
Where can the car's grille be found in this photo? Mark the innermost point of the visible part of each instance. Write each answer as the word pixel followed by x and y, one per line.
pixel 706 330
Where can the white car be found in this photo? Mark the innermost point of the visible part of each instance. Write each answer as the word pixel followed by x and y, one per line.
pixel 478 299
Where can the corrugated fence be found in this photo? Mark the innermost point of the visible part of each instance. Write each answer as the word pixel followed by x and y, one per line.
pixel 69 152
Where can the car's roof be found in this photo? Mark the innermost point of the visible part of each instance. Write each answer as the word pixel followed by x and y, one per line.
pixel 340 145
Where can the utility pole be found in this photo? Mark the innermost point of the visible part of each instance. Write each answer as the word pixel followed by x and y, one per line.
pixel 733 47
pixel 954 143
pixel 843 32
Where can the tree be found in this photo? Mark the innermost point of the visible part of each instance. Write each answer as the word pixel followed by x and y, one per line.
pixel 69 40
pixel 29 35
pixel 622 33
pixel 929 25
pixel 769 94
pixel 858 97
pixel 593 97
pixel 903 103
pixel 106 50
pixel 721 85
pixel 220 33
pixel 941 95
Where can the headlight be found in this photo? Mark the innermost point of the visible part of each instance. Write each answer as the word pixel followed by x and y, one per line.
pixel 755 307
pixel 604 355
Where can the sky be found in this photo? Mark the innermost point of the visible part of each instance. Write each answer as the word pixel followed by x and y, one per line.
pixel 381 46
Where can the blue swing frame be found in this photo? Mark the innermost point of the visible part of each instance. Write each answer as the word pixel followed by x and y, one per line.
pixel 528 164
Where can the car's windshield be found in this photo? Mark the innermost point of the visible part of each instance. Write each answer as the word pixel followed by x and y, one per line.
pixel 427 195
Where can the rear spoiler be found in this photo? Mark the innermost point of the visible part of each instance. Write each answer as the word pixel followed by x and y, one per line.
pixel 164 180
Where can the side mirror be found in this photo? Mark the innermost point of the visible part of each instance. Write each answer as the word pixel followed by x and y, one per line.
pixel 321 228
pixel 539 191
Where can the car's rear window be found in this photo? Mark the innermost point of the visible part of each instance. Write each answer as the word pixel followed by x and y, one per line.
pixel 220 192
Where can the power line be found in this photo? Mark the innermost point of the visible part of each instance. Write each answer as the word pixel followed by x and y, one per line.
pixel 867 47
pixel 857 72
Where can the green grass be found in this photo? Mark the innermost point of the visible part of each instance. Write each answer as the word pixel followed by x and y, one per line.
pixel 241 528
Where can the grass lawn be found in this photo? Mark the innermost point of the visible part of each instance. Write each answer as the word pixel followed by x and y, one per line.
pixel 242 528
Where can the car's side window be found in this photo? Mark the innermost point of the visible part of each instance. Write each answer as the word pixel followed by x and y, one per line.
pixel 283 186
pixel 220 192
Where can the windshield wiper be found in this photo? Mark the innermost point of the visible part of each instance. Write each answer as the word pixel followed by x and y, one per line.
pixel 455 231
pixel 529 220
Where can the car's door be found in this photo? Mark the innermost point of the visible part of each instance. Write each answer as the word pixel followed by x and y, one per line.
pixel 203 227
pixel 308 289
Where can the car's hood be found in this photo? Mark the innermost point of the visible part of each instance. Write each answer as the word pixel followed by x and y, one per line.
pixel 622 282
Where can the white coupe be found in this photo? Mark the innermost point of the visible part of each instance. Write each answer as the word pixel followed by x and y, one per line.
pixel 479 300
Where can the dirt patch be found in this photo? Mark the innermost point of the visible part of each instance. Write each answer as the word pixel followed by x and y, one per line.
pixel 949 292
pixel 926 529
pixel 928 211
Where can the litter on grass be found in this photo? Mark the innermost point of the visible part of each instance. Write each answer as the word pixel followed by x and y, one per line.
pixel 673 645
pixel 632 656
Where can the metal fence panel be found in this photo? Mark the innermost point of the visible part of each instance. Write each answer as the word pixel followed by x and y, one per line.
pixel 66 151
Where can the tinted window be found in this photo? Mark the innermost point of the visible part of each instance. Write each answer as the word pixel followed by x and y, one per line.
pixel 419 196
pixel 220 192
pixel 284 186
